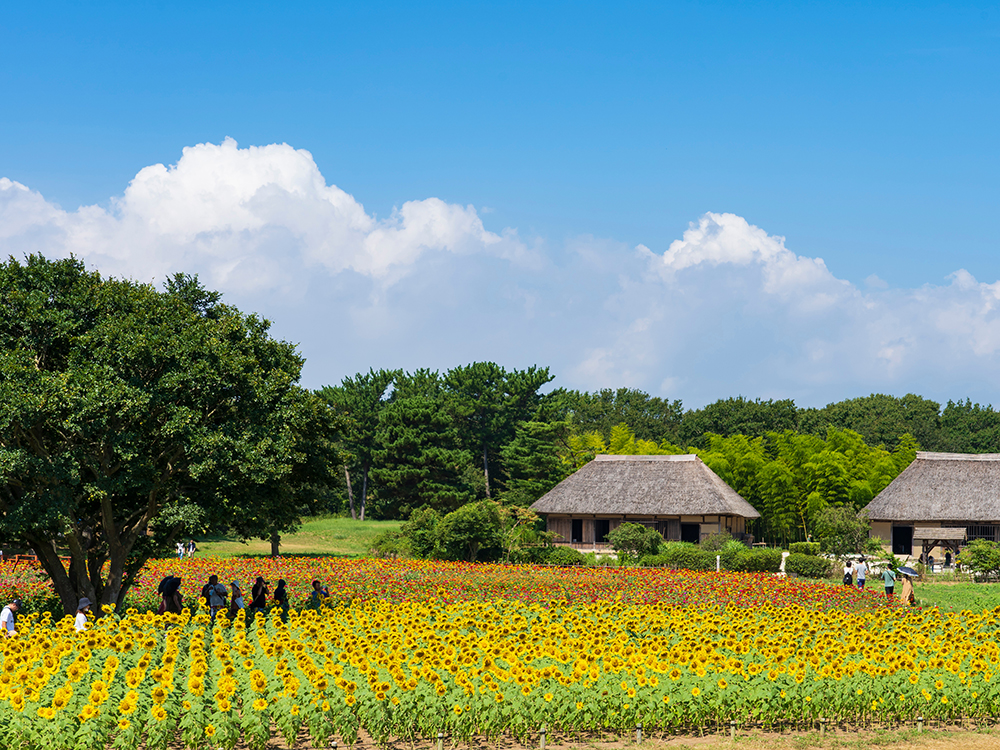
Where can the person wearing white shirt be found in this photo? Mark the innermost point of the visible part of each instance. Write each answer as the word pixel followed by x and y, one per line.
pixel 8 618
pixel 81 615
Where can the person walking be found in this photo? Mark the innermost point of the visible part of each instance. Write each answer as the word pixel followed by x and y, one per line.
pixel 236 599
pixel 258 595
pixel 281 597
pixel 907 592
pixel 848 574
pixel 889 578
pixel 8 618
pixel 180 550
pixel 80 623
pixel 215 595
pixel 191 548
pixel 861 569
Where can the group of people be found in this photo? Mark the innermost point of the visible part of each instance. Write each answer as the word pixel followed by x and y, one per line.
pixel 860 569
pixel 187 548
pixel 219 598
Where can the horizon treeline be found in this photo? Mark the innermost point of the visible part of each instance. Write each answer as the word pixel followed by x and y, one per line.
pixel 441 440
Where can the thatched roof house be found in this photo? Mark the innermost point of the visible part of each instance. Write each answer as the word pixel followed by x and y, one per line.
pixel 677 495
pixel 940 490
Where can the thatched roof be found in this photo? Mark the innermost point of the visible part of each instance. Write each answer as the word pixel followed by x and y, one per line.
pixel 938 534
pixel 645 486
pixel 942 487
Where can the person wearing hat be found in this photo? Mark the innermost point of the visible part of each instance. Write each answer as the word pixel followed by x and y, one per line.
pixel 81 614
pixel 8 618
pixel 236 600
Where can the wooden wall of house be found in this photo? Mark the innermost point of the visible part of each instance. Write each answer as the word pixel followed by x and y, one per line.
pixel 561 526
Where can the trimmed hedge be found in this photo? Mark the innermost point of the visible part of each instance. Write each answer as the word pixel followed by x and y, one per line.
pixel 804 548
pixel 760 561
pixel 687 556
pixel 735 557
pixel 566 556
pixel 808 566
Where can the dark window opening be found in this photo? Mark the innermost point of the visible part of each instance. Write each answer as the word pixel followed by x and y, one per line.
pixel 902 540
pixel 691 532
pixel 577 534
pixel 601 529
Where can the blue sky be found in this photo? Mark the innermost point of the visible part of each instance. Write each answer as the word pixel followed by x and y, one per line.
pixel 568 146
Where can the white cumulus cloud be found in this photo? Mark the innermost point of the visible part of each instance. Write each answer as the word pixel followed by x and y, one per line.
pixel 725 309
pixel 246 219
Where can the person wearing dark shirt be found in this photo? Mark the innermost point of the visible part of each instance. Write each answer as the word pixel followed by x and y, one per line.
pixel 258 594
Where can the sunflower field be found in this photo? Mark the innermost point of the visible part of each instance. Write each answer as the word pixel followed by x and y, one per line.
pixel 711 650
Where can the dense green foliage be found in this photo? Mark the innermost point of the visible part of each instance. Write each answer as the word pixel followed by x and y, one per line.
pixel 633 540
pixel 479 432
pixel 125 410
pixel 804 548
pixel 982 557
pixel 808 566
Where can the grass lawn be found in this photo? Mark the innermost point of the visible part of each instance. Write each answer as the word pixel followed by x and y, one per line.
pixel 958 595
pixel 341 537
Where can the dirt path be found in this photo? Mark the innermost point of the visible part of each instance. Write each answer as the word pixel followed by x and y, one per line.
pixel 881 740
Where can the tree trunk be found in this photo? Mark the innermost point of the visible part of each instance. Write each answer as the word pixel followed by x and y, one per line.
pixel 486 471
pixel 275 544
pixel 45 550
pixel 350 493
pixel 364 490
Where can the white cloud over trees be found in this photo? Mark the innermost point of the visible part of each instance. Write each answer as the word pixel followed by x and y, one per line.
pixel 725 309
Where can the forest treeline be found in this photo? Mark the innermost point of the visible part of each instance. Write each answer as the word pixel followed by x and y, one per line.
pixel 132 416
pixel 441 440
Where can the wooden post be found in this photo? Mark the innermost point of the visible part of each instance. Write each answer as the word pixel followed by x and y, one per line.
pixel 822 727
pixel 541 738
pixel 638 734
pixel 732 729
pixel 920 723
pixel 440 740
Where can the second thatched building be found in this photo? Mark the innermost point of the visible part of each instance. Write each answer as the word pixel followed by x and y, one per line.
pixel 938 502
pixel 679 496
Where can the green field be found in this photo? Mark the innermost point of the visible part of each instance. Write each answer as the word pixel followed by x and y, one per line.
pixel 958 595
pixel 340 537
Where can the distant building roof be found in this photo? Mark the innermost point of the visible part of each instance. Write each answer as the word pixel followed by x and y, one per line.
pixel 645 486
pixel 942 487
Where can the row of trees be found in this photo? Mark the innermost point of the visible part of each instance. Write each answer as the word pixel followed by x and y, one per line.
pixel 131 415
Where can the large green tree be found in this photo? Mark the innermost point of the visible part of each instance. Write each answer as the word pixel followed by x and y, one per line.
pixel 419 460
pixel 648 417
pixel 129 415
pixel 360 400
pixel 487 403
pixel 880 419
pixel 738 416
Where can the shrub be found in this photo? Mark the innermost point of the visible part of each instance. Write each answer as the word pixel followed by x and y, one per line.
pixel 421 530
pixel 760 561
pixel 565 556
pixel 687 556
pixel 715 542
pixel 804 548
pixel 808 566
pixel 635 540
pixel 653 561
pixel 843 531
pixel 391 544
pixel 473 532
pixel 732 554
pixel 982 557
